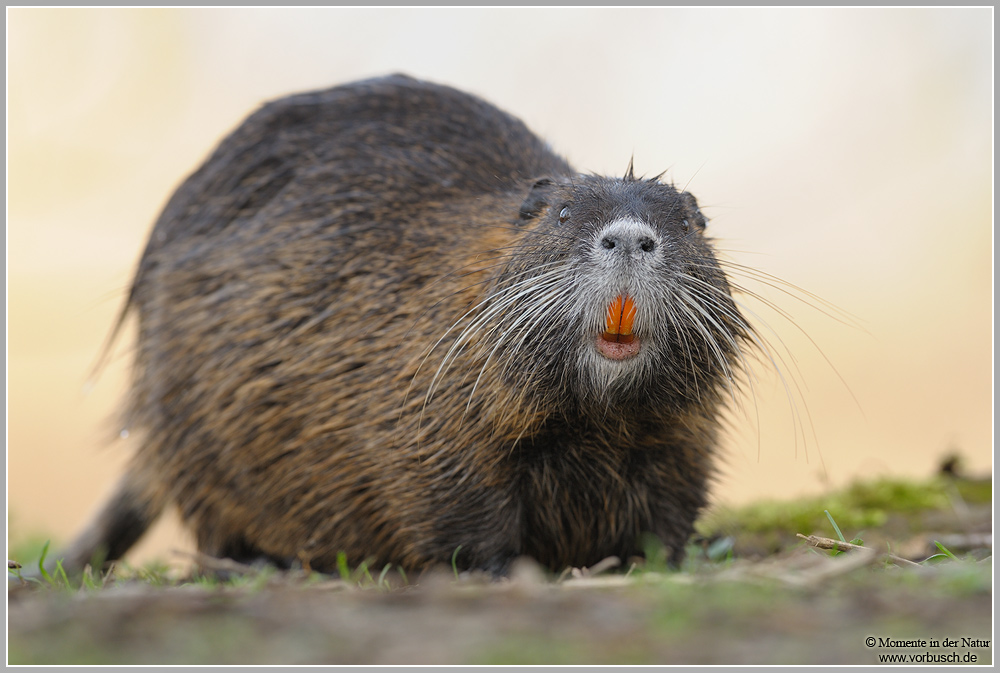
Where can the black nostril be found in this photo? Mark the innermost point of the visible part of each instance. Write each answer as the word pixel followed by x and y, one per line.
pixel 626 241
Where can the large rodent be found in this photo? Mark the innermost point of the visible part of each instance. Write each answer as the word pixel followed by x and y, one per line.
pixel 385 319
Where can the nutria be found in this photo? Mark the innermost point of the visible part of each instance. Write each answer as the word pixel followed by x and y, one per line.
pixel 385 319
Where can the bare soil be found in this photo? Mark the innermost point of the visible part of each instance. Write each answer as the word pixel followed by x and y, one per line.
pixel 799 605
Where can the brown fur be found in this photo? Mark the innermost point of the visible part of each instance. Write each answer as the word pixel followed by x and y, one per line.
pixel 299 298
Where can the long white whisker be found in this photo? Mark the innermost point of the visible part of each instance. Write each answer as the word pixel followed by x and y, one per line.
pixel 537 309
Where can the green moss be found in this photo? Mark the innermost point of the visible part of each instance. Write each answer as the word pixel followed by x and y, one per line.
pixel 862 505
pixel 975 491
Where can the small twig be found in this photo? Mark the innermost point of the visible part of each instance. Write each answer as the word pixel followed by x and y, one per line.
pixel 16 567
pixel 829 543
pixel 578 574
pixel 603 566
pixel 88 574
pixel 109 574
pixel 899 559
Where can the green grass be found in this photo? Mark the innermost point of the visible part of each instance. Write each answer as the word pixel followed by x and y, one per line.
pixel 864 504
pixel 772 525
pixel 714 610
pixel 894 505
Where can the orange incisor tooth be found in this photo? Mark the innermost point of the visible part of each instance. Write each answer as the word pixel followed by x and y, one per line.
pixel 618 323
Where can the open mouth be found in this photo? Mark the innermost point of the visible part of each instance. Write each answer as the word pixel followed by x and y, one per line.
pixel 617 342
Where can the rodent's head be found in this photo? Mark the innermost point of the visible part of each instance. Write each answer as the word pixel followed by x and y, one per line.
pixel 613 296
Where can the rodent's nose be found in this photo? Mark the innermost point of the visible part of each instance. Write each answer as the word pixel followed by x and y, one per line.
pixel 628 237
pixel 644 243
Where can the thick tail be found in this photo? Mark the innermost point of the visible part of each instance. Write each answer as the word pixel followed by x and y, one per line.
pixel 135 504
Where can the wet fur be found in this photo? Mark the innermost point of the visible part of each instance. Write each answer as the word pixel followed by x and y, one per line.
pixel 366 327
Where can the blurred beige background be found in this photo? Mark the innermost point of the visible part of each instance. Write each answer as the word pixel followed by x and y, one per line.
pixel 844 151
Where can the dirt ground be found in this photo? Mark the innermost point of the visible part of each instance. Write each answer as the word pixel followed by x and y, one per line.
pixel 749 605
pixel 763 613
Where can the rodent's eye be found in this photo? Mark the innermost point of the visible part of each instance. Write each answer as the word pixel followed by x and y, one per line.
pixel 686 225
pixel 563 215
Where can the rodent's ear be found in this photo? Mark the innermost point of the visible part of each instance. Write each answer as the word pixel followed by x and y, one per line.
pixel 536 200
pixel 693 214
